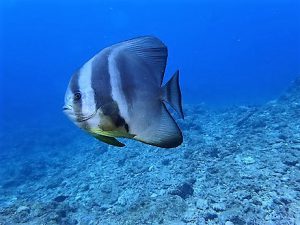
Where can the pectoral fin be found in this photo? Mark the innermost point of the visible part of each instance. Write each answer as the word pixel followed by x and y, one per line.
pixel 109 140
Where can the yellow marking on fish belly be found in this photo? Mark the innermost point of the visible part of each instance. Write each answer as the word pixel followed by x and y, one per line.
pixel 113 133
pixel 108 128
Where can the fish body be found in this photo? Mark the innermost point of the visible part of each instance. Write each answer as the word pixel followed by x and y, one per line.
pixel 119 93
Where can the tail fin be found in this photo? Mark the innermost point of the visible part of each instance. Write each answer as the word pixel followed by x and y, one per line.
pixel 171 94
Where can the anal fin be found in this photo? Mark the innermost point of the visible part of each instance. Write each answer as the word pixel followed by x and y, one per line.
pixel 163 131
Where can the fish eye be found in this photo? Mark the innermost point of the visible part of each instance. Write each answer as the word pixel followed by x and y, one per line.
pixel 77 96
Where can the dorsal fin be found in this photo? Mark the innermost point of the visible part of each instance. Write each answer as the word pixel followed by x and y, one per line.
pixel 150 49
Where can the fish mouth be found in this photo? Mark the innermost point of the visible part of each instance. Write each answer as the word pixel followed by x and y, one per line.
pixel 66 108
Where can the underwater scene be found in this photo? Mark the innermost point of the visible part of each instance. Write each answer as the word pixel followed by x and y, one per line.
pixel 117 112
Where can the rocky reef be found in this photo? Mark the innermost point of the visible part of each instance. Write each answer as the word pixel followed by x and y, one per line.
pixel 239 165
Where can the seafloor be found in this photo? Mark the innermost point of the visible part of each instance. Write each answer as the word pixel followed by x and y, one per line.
pixel 236 166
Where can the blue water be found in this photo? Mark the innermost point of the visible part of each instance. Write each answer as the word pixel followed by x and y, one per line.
pixel 228 53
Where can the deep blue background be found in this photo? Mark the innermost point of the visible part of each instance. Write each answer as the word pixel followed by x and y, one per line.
pixel 228 52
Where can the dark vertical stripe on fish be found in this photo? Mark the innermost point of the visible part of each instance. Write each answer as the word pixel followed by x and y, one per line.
pixel 103 90
pixel 74 86
pixel 77 104
pixel 101 80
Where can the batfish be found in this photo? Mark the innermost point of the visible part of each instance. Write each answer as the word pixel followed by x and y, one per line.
pixel 119 94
